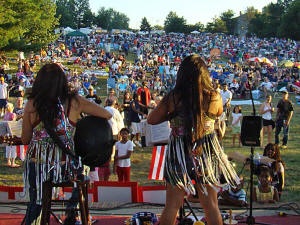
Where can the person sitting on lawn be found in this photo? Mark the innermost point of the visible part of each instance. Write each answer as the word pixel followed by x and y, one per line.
pixel 277 167
pixel 234 196
pixel 264 192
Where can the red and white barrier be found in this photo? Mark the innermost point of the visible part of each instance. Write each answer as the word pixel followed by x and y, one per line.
pixel 102 191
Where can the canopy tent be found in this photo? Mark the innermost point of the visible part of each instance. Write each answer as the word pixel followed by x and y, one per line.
pixel 77 34
pixel 67 30
pixel 85 30
pixel 195 32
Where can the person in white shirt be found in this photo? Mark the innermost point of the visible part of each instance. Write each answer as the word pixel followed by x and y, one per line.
pixel 226 98
pixel 3 95
pixel 266 86
pixel 237 117
pixel 124 149
pixel 116 122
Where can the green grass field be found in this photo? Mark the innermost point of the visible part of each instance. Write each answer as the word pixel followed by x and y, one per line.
pixel 141 157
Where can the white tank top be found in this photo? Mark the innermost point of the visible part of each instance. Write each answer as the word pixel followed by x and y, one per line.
pixel 267 115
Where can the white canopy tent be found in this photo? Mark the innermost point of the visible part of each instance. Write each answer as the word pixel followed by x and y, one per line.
pixel 67 30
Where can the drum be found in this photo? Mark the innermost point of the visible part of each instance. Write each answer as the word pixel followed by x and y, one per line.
pixel 93 141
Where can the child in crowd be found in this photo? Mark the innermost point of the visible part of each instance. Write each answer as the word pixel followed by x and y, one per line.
pixel 236 124
pixel 124 148
pixel 9 115
pixel 10 150
pixel 277 167
pixel 234 196
pixel 264 192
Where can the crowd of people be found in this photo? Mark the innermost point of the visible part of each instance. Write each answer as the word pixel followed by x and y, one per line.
pixel 139 88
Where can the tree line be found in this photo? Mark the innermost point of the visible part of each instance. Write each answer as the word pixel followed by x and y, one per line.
pixel 30 23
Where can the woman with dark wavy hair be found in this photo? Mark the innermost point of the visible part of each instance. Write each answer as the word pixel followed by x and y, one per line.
pixel 50 113
pixel 194 160
pixel 277 167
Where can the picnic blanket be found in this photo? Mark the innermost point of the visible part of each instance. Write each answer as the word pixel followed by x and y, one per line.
pixel 244 102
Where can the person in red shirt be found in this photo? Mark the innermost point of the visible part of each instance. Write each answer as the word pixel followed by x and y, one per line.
pixel 145 96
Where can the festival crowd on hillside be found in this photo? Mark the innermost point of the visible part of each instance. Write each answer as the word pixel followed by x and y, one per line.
pixel 141 69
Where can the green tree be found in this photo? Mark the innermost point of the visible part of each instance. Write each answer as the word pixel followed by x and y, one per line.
pixel 217 26
pixel 145 25
pixel 111 19
pixel 27 22
pixel 227 17
pixel 290 27
pixel 64 14
pixel 174 23
pixel 251 12
pixel 157 27
pixel 74 13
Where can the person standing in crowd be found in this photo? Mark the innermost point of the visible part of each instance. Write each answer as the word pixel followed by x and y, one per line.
pixel 194 159
pixel 266 110
pixel 237 117
pixel 11 153
pixel 145 96
pixel 116 122
pixel 92 96
pixel 135 114
pixel 126 108
pixel 226 99
pixel 111 96
pixel 51 114
pixel 283 118
pixel 3 95
pixel 124 149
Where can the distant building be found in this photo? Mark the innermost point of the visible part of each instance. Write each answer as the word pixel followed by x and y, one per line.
pixel 241 25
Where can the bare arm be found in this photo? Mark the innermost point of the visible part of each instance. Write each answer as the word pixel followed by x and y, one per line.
pixel 127 156
pixel 261 109
pixel 91 108
pixel 159 114
pixel 289 118
pixel 27 127
pixel 276 196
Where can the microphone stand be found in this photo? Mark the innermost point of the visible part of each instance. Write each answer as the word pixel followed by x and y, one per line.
pixel 250 219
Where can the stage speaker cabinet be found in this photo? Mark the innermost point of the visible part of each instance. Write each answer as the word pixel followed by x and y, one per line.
pixel 251 131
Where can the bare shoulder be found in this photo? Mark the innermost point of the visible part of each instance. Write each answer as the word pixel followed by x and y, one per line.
pixel 216 96
pixel 29 107
pixel 76 102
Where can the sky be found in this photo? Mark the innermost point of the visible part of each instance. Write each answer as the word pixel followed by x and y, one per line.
pixel 192 10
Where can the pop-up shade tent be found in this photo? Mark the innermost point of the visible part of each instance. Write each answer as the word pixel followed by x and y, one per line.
pixel 77 34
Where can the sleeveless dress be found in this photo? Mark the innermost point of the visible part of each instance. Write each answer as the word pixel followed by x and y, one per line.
pixel 264 196
pixel 51 164
pixel 184 169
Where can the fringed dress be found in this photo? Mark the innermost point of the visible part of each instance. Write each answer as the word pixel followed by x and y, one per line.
pixel 51 164
pixel 184 168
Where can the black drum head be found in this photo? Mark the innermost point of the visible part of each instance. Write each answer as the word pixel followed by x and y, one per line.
pixel 93 141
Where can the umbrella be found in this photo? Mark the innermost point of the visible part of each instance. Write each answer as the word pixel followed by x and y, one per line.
pixel 288 63
pixel 267 61
pixel 297 64
pixel 256 59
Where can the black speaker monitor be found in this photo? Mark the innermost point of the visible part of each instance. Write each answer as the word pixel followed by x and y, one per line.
pixel 251 131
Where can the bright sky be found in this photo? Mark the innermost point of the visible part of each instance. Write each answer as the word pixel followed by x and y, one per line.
pixel 192 10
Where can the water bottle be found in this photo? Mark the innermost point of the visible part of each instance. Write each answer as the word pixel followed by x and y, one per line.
pixel 256 159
